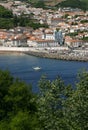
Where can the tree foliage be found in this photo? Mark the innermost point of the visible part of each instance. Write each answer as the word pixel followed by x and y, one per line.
pixel 8 20
pixel 51 103
pixel 17 104
pixel 55 107
pixel 5 13
pixel 77 105
pixel 81 4
pixel 40 4
pixel 63 107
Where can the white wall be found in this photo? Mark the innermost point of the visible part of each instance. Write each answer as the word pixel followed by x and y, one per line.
pixel 21 49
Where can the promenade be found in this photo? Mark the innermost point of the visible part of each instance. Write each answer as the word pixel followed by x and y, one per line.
pixel 75 55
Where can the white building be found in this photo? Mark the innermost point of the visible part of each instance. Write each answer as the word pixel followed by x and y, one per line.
pixel 48 36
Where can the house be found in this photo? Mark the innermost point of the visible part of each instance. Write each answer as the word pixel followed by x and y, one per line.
pixel 31 41
pixel 48 36
pixel 55 21
pixel 41 43
pixel 46 43
pixel 16 41
pixel 72 42
pixel 3 36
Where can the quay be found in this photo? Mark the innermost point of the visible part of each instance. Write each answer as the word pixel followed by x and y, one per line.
pixel 13 49
pixel 75 55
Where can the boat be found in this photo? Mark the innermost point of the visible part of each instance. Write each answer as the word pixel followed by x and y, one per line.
pixel 37 68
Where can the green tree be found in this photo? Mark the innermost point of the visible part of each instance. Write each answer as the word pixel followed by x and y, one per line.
pixel 15 20
pixel 19 97
pixel 57 106
pixel 51 101
pixel 5 13
pixel 17 104
pixel 23 121
pixel 6 23
pixel 39 4
pixel 5 81
pixel 76 111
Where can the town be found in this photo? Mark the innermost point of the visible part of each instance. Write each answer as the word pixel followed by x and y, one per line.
pixel 66 35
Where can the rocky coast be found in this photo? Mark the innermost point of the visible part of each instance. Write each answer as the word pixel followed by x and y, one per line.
pixel 59 56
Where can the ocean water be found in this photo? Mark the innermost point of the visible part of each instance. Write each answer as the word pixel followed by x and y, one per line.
pixel 21 66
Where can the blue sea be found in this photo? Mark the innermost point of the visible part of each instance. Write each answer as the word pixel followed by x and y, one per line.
pixel 21 66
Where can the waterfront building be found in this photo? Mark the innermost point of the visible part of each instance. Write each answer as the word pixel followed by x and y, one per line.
pixel 46 43
pixel 41 43
pixel 15 41
pixel 74 43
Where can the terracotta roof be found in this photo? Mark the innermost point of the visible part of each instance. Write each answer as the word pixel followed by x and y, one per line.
pixel 32 38
pixel 41 40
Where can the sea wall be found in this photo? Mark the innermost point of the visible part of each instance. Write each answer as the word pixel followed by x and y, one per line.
pixel 19 49
pixel 58 56
pixel 45 54
pixel 13 49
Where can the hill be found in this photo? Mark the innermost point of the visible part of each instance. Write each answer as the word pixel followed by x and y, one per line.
pixel 86 2
pixel 82 4
pixel 47 2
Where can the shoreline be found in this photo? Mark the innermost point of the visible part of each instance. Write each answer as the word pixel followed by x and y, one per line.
pixel 11 52
pixel 57 56
pixel 42 54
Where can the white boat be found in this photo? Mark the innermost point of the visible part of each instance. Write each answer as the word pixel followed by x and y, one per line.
pixel 37 68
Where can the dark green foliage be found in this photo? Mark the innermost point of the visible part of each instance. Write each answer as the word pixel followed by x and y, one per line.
pixel 23 121
pixel 17 104
pixel 51 103
pixel 19 98
pixel 5 81
pixel 40 4
pixel 73 34
pixel 56 106
pixel 5 13
pixel 7 20
pixel 76 111
pixel 6 23
pixel 84 21
pixel 63 107
pixel 74 4
pixel 15 21
pixel 37 25
pixel 85 39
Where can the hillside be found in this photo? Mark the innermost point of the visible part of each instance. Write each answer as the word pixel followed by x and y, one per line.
pixel 47 2
pixel 86 2
pixel 52 2
pixel 83 4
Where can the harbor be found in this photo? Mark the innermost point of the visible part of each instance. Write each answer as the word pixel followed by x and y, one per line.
pixel 55 53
